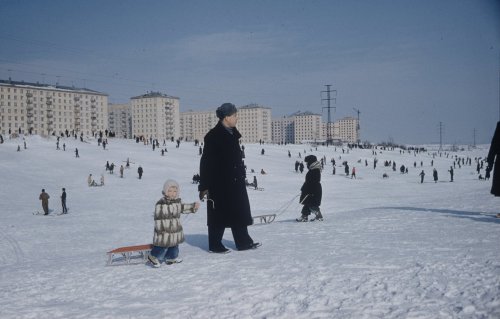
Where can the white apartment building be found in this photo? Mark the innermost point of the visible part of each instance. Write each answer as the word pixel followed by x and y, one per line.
pixel 254 123
pixel 51 109
pixel 120 120
pixel 283 130
pixel 307 127
pixel 194 125
pixel 346 129
pixel 155 115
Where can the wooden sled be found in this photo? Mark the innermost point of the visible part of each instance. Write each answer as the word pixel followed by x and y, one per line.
pixel 264 219
pixel 129 255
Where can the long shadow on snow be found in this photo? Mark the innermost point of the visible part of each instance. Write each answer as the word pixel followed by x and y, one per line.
pixel 475 216
pixel 201 241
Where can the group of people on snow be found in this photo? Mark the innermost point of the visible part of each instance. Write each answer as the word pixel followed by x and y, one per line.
pixel 222 183
pixel 44 197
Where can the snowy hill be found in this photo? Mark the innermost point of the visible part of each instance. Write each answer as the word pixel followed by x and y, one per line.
pixel 388 248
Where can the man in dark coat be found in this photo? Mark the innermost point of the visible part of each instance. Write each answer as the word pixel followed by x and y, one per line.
pixel 222 181
pixel 493 159
pixel 63 201
pixel 311 191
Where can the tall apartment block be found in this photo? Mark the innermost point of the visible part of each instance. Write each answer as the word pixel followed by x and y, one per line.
pixel 346 130
pixel 195 125
pixel 155 115
pixel 308 127
pixel 283 130
pixel 51 109
pixel 254 123
pixel 120 120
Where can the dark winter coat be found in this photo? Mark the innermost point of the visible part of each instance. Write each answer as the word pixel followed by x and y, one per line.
pixel 495 163
pixel 222 173
pixel 312 186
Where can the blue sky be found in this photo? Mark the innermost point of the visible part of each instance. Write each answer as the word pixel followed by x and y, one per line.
pixel 406 65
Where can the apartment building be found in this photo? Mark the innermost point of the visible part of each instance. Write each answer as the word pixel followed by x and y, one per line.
pixel 194 125
pixel 155 115
pixel 283 130
pixel 307 127
pixel 51 109
pixel 254 123
pixel 346 129
pixel 120 120
pixel 304 127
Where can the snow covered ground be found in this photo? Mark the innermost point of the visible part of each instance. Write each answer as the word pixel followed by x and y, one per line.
pixel 388 248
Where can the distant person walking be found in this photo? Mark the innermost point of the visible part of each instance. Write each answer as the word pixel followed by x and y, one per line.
pixel 44 197
pixel 140 171
pixel 63 201
pixel 76 152
pixel 422 175
pixel 451 173
pixel 435 175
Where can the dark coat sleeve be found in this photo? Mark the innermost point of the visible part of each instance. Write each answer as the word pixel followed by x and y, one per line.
pixel 493 161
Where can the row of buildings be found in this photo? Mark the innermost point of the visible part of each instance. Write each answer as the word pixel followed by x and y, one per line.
pixel 53 109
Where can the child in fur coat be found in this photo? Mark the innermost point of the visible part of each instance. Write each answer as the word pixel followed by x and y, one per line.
pixel 168 232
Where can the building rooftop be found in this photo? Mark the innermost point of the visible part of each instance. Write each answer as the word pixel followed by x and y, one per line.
pixel 254 106
pixel 299 113
pixel 153 95
pixel 57 87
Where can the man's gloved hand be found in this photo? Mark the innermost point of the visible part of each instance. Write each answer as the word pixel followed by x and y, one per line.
pixel 203 194
pixel 488 168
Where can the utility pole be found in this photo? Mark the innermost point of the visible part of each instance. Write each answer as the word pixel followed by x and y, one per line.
pixel 329 136
pixel 357 126
pixel 440 136
pixel 474 145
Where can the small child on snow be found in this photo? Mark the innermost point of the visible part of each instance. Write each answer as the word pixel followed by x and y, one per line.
pixel 311 190
pixel 168 232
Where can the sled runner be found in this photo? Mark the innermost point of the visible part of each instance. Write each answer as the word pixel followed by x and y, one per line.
pixel 129 255
pixel 264 219
pixel 256 189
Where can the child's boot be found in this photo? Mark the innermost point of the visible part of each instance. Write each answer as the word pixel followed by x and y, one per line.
pixel 318 216
pixel 154 261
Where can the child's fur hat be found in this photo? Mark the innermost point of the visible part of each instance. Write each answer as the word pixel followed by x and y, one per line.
pixel 170 183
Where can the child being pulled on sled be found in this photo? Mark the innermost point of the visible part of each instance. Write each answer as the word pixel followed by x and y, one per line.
pixel 168 232
pixel 311 190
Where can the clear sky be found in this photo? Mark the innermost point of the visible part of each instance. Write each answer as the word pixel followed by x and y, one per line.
pixel 406 65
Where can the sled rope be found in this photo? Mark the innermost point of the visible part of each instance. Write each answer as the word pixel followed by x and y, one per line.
pixel 284 207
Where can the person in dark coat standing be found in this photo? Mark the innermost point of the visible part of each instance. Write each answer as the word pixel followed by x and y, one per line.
pixel 222 182
pixel 140 171
pixel 311 191
pixel 63 201
pixel 494 163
